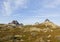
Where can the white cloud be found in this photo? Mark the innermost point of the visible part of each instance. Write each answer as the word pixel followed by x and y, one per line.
pixel 6 9
pixel 51 3
pixel 9 6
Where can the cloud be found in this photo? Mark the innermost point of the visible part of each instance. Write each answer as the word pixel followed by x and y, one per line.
pixel 51 3
pixel 6 9
pixel 9 6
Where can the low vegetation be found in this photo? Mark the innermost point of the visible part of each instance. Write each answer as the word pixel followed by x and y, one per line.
pixel 29 33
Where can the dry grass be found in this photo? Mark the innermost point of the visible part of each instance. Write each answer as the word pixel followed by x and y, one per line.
pixel 29 33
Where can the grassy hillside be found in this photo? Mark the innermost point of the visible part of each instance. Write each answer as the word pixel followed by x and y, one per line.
pixel 29 33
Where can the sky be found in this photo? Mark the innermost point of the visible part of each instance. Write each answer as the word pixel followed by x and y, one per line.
pixel 29 11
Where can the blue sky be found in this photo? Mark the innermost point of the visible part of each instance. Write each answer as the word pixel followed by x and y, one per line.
pixel 29 11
